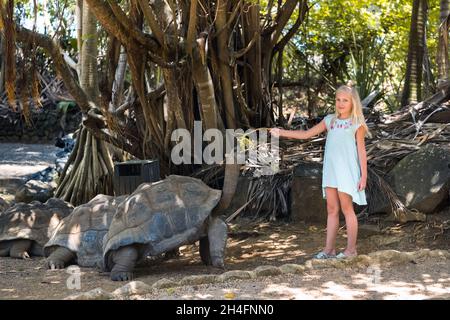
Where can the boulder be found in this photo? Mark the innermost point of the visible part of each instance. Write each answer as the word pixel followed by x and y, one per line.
pixel 421 180
pixel 35 190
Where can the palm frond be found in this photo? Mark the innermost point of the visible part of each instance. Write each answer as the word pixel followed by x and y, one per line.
pixel 380 190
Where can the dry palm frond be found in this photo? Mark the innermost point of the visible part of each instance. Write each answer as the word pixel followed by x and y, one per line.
pixel 268 196
pixel 7 17
pixel 377 187
pixel 24 84
pixel 262 158
pixel 113 123
pixel 211 174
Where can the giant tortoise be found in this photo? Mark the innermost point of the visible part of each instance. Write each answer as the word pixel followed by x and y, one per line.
pixel 26 227
pixel 159 217
pixel 79 236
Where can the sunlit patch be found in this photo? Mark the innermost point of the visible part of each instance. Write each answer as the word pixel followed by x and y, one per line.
pixel 105 219
pixel 341 291
pixel 409 197
pixel 97 207
pixel 22 233
pixel 435 178
pixel 53 223
pixel 31 219
pixel 203 296
pixel 366 279
pixel 179 201
pixel 427 278
pixel 74 238
pixel 233 243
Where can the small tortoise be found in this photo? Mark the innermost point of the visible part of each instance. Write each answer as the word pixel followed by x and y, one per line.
pixel 160 217
pixel 26 227
pixel 79 236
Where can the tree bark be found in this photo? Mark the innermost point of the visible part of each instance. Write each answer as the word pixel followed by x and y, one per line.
pixel 2 64
pixel 412 91
pixel 442 49
pixel 92 170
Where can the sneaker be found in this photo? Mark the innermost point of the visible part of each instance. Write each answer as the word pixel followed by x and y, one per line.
pixel 342 255
pixel 322 255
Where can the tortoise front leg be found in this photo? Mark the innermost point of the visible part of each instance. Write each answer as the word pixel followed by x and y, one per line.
pixel 20 248
pixel 60 258
pixel 217 240
pixel 124 259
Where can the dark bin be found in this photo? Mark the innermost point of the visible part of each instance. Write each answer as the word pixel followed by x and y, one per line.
pixel 307 203
pixel 129 175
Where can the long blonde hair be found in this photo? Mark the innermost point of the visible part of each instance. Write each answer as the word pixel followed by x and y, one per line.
pixel 357 115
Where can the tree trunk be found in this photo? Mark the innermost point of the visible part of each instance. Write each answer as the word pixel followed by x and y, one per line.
pixel 224 62
pixel 119 78
pixel 412 91
pixel 79 23
pixel 89 53
pixel 253 75
pixel 91 166
pixel 2 63
pixel 442 50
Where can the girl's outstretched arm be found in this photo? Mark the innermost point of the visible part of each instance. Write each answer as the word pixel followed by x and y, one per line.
pixel 300 134
pixel 361 147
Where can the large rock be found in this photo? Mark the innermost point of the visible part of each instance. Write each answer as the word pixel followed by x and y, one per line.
pixel 35 190
pixel 421 179
pixel 307 202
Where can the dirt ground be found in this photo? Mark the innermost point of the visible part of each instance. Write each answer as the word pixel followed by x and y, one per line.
pixel 254 244
pixel 428 279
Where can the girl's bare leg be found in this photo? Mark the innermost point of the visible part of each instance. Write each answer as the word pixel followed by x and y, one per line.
pixel 332 219
pixel 350 221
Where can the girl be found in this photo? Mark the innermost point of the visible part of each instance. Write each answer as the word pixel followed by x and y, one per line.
pixel 344 174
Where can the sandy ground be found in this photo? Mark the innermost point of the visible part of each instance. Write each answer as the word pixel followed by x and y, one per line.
pixel 19 160
pixel 255 244
pixel 429 279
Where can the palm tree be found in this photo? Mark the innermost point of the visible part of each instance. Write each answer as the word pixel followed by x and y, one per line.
pixel 442 53
pixel 416 51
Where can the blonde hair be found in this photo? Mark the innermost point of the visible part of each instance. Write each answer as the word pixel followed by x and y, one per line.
pixel 357 115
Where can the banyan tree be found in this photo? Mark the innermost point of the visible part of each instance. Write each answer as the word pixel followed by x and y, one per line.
pixel 214 61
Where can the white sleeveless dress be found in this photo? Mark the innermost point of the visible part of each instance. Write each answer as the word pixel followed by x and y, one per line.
pixel 341 167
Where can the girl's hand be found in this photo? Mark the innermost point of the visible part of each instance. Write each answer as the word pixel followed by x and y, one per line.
pixel 276 132
pixel 362 184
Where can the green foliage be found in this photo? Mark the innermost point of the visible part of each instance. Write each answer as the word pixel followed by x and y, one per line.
pixel 362 40
pixel 65 106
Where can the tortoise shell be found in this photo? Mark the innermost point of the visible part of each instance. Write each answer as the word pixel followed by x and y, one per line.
pixel 33 221
pixel 83 230
pixel 161 216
